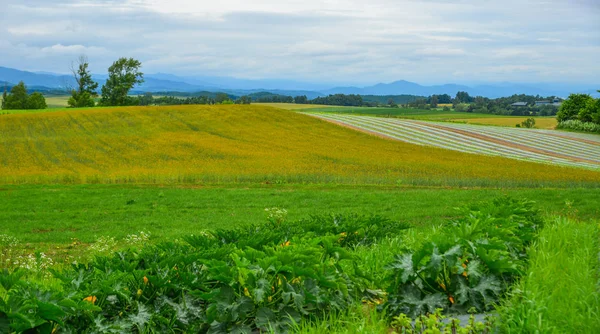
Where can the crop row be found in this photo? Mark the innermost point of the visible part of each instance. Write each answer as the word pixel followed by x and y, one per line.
pixel 523 144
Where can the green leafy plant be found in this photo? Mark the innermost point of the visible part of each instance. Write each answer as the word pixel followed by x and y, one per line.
pixel 470 265
pixel 256 278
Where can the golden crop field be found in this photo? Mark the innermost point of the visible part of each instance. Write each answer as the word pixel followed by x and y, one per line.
pixel 293 106
pixel 238 143
pixel 540 122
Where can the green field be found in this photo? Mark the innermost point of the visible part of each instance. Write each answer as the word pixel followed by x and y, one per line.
pixel 81 184
pixel 88 211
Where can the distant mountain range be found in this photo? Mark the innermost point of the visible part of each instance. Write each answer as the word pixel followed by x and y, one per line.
pixel 162 82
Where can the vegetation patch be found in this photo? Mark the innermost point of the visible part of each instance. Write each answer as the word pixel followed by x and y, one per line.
pixel 280 276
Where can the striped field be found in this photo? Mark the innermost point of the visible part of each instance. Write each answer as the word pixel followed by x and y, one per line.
pixel 546 146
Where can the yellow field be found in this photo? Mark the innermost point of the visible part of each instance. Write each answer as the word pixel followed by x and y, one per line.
pixel 57 101
pixel 449 105
pixel 540 122
pixel 292 106
pixel 237 143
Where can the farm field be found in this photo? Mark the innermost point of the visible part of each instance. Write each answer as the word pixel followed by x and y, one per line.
pixel 524 144
pixel 510 121
pixel 272 203
pixel 548 122
pixel 239 144
pixel 57 101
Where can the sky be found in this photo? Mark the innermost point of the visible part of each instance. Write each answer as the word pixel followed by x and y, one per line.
pixel 320 41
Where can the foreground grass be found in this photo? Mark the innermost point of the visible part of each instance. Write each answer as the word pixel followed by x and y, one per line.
pixel 560 293
pixel 241 144
pixel 52 218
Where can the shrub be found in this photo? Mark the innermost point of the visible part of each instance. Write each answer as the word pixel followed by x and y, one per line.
pixel 578 125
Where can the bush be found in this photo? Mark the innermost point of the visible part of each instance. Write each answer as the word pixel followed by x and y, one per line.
pixel 578 125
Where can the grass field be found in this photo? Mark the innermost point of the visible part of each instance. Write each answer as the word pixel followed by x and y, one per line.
pixel 238 144
pixel 88 211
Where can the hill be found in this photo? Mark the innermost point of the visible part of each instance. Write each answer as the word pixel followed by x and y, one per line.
pixel 160 82
pixel 237 144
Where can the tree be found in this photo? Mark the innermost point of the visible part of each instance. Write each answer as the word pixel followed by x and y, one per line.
pixel 84 95
pixel 302 99
pixel 571 107
pixel 146 99
pixel 434 101
pixel 18 99
pixel 392 103
pixel 222 98
pixel 36 101
pixel 462 97
pixel 123 75
pixel 4 98
pixel 245 99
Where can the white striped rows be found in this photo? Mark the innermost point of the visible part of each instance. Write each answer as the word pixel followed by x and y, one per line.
pixel 545 146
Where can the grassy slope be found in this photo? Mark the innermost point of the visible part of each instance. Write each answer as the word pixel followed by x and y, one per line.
pixel 238 144
pixel 559 294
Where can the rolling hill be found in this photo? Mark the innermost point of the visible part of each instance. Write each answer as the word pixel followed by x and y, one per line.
pixel 234 143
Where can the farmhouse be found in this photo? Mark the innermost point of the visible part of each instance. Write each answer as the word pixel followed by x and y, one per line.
pixel 555 102
pixel 519 104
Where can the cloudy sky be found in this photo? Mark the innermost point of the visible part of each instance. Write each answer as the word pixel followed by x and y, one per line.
pixel 329 41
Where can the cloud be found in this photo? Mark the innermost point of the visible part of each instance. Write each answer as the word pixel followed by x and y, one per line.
pixel 351 41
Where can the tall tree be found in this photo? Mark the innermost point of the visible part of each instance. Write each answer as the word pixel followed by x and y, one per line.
pixel 4 97
pixel 434 101
pixel 84 95
pixel 123 75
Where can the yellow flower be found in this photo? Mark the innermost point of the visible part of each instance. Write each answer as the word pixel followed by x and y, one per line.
pixel 246 292
pixel 145 280
pixel 451 299
pixel 91 299
pixel 139 292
